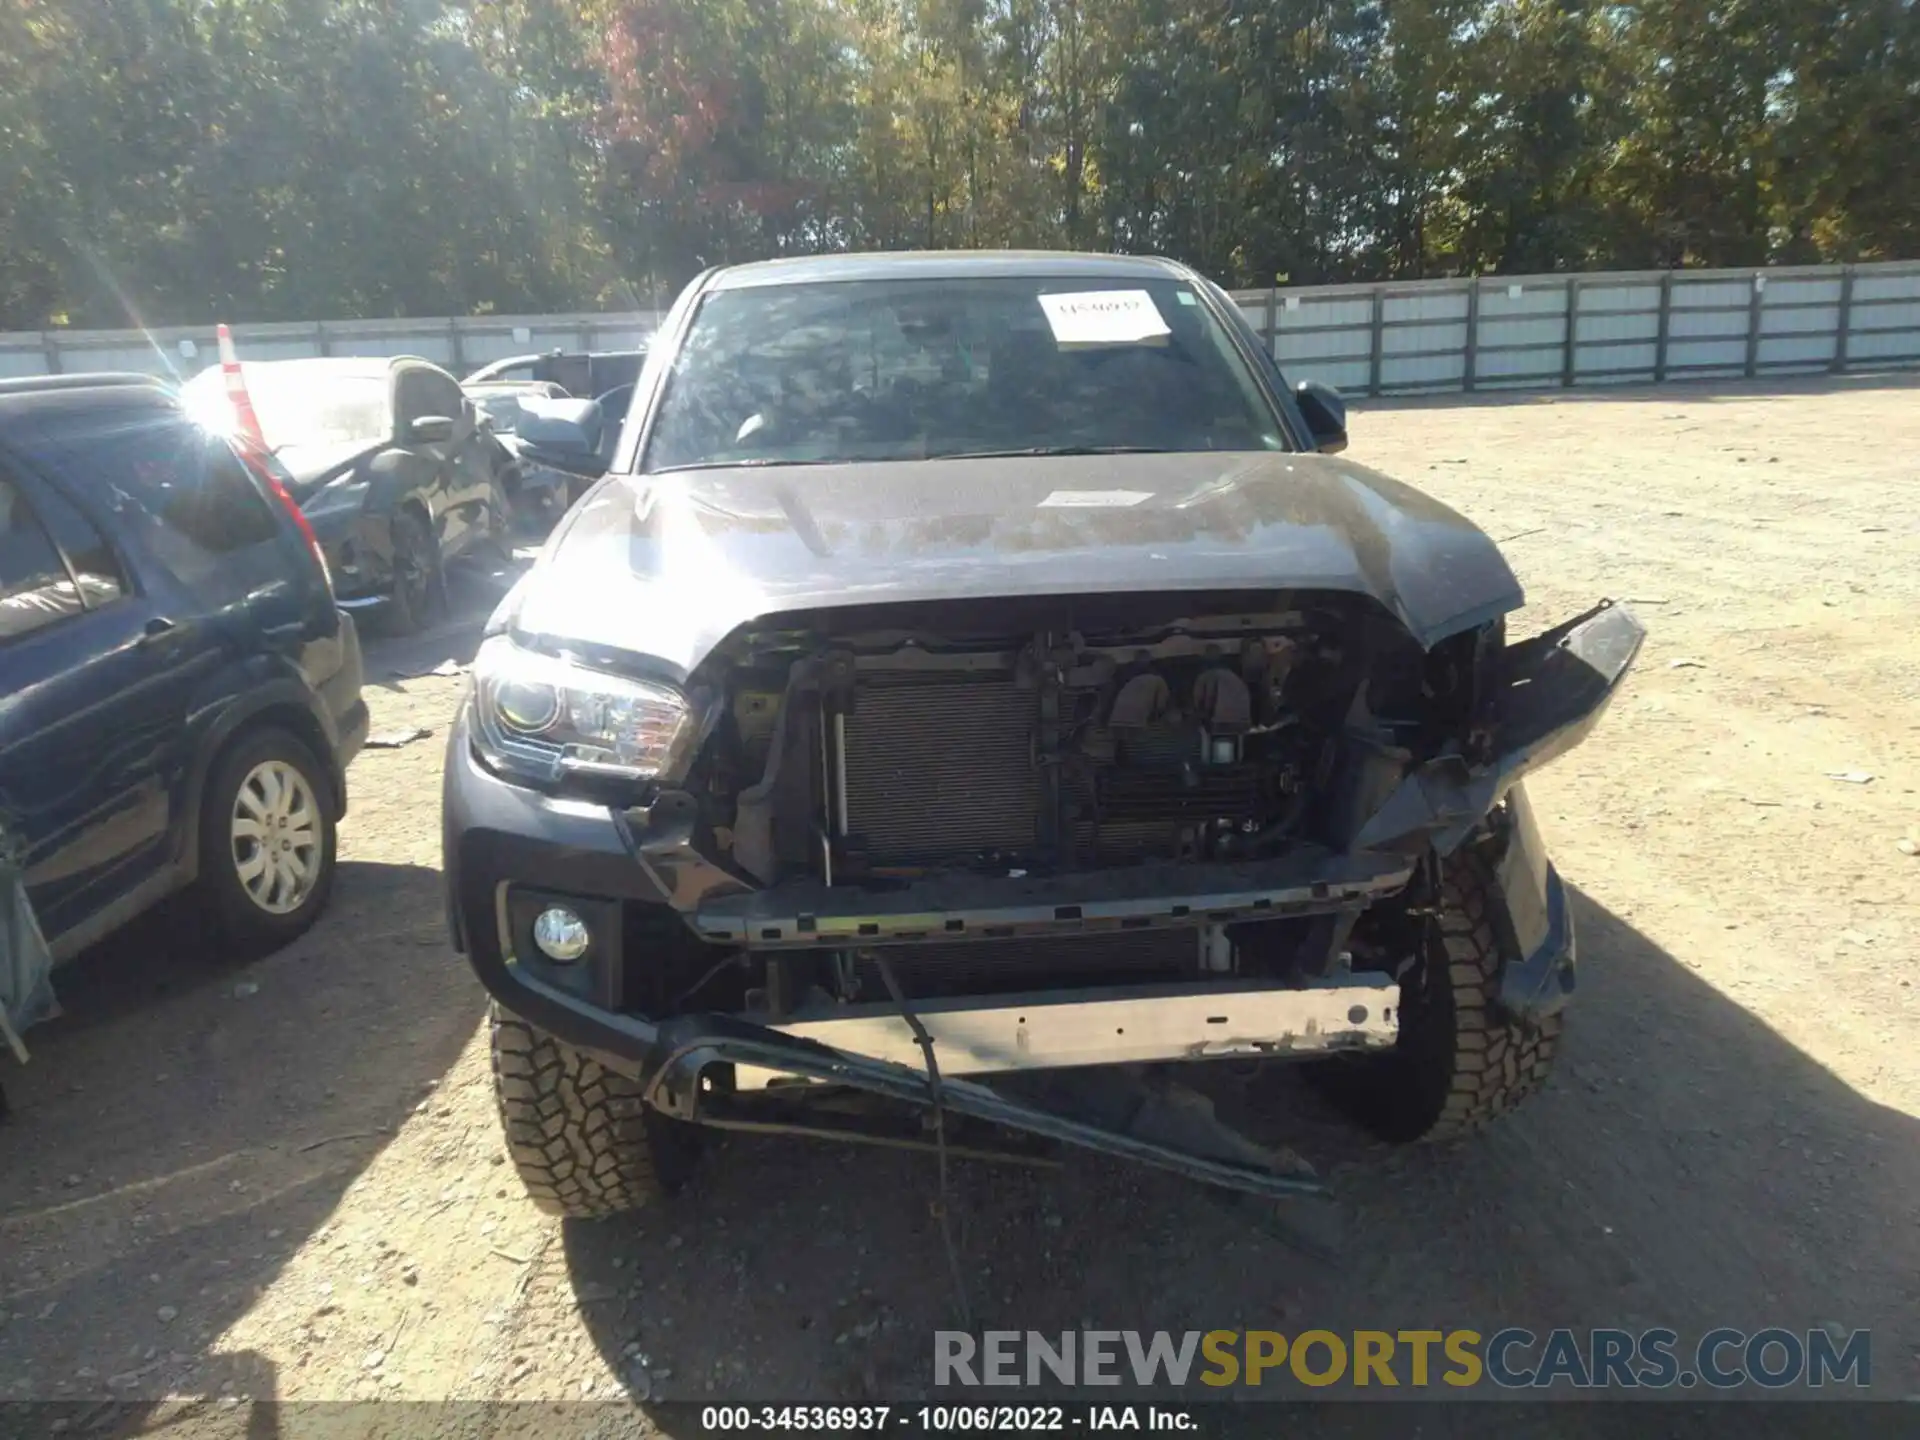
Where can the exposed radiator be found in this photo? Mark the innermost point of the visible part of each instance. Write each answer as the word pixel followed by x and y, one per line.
pixel 941 771
pixel 1005 967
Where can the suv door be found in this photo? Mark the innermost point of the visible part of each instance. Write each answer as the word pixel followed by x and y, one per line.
pixel 94 684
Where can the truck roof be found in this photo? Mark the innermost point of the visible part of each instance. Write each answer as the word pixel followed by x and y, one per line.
pixel 944 265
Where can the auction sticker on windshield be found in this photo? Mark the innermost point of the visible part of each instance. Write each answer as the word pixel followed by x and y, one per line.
pixel 1104 317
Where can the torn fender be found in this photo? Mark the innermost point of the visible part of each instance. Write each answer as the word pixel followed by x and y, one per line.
pixel 1551 692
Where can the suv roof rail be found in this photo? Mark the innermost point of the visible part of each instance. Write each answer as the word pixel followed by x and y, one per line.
pixel 96 380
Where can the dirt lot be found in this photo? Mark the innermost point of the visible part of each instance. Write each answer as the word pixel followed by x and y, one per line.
pixel 287 1181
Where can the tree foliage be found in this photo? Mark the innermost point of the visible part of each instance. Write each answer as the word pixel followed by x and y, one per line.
pixel 175 160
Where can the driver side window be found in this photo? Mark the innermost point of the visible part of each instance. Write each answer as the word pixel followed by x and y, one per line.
pixel 35 586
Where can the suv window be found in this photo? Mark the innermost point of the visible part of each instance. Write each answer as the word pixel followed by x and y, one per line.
pixel 422 391
pixel 35 588
pixel 182 486
pixel 94 565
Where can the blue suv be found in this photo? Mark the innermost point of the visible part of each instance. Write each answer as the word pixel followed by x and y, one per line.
pixel 179 694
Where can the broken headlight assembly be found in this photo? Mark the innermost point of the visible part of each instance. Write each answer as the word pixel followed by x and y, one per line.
pixel 543 718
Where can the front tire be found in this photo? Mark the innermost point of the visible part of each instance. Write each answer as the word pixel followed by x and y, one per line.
pixel 1460 1062
pixel 584 1142
pixel 267 842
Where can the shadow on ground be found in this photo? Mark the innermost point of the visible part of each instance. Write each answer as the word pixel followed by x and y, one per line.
pixel 181 1094
pixel 1686 1167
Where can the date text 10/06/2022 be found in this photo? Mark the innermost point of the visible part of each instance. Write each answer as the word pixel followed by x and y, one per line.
pixel 937 1419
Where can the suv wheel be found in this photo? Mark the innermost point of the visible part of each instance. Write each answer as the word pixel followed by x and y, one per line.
pixel 583 1140
pixel 1459 1063
pixel 266 841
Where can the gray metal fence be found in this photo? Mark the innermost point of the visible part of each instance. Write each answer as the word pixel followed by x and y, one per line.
pixel 1608 328
pixel 1392 338
pixel 461 345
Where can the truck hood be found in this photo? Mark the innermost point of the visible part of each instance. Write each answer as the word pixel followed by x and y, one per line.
pixel 666 566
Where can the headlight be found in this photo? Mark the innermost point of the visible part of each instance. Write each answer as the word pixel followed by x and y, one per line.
pixel 543 718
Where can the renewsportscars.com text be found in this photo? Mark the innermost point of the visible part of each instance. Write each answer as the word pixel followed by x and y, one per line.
pixel 1511 1358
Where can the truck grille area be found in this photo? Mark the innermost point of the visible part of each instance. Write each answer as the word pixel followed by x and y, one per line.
pixel 937 771
pixel 1006 967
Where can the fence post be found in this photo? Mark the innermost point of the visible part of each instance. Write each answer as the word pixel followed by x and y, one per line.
pixel 1473 332
pixel 1845 325
pixel 1373 352
pixel 1665 327
pixel 1570 356
pixel 51 347
pixel 454 346
pixel 321 344
pixel 1273 319
pixel 1756 298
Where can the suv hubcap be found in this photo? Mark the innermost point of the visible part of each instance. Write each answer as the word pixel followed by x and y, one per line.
pixel 276 837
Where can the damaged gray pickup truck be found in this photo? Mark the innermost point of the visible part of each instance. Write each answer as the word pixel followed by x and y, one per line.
pixel 977 671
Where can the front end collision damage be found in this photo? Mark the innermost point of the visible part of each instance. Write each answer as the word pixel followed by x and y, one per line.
pixel 358 544
pixel 1547 695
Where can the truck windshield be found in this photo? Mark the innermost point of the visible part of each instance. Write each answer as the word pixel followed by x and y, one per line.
pixel 925 369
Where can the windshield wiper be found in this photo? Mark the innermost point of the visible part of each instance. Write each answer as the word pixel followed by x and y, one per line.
pixel 1027 450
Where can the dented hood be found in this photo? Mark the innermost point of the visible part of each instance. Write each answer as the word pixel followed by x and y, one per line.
pixel 666 566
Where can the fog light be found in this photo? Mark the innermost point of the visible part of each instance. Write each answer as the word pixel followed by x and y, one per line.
pixel 560 934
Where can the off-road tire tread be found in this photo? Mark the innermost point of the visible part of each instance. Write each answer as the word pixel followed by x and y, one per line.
pixel 578 1133
pixel 1495 1063
pixel 1460 1061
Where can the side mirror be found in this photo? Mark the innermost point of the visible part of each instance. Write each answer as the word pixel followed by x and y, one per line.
pixel 1325 412
pixel 563 435
pixel 431 429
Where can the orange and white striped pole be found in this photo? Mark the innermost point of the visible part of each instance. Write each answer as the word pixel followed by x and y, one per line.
pixel 244 419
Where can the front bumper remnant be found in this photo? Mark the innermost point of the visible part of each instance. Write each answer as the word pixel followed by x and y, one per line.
pixel 1139 1026
pixel 681 1087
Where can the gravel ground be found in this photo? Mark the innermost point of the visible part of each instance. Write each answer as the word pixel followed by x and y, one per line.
pixel 286 1181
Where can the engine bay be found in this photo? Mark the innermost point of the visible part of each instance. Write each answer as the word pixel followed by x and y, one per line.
pixel 868 755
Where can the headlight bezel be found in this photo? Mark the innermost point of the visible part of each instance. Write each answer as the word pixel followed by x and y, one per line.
pixel 649 740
